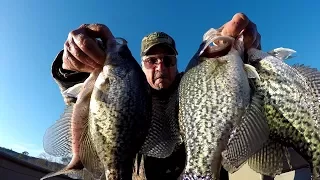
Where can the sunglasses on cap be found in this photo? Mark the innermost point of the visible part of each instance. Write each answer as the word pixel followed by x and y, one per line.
pixel 150 61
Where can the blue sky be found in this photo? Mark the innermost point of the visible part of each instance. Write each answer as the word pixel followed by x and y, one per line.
pixel 33 32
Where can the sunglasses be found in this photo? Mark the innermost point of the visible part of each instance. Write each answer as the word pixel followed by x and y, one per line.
pixel 150 61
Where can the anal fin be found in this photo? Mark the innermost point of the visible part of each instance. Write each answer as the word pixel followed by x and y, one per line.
pixel 89 156
pixel 247 138
pixel 274 159
pixel 270 159
pixel 68 172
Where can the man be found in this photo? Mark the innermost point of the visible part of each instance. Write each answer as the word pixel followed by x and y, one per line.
pixel 82 54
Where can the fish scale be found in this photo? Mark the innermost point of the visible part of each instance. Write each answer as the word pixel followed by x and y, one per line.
pixel 213 96
pixel 292 110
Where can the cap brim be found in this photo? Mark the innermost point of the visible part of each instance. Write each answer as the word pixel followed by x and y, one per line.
pixel 168 45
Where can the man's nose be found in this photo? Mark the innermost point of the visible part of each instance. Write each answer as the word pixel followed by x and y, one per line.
pixel 160 66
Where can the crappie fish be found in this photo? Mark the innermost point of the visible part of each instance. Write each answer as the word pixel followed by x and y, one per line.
pixel 109 120
pixel 214 98
pixel 119 114
pixel 291 104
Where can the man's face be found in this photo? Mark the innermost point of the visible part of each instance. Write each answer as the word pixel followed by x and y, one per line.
pixel 160 67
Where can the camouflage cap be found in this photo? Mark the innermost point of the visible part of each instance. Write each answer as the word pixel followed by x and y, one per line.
pixel 156 38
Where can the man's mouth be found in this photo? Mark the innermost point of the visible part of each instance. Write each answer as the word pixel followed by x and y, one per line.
pixel 162 77
pixel 159 77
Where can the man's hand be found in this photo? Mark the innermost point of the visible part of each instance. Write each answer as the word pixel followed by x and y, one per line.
pixel 81 51
pixel 241 23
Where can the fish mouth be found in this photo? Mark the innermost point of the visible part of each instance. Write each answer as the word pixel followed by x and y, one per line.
pixel 216 51
pixel 222 44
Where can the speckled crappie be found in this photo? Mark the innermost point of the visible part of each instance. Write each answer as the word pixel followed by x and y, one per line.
pixel 109 120
pixel 214 99
pixel 291 104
